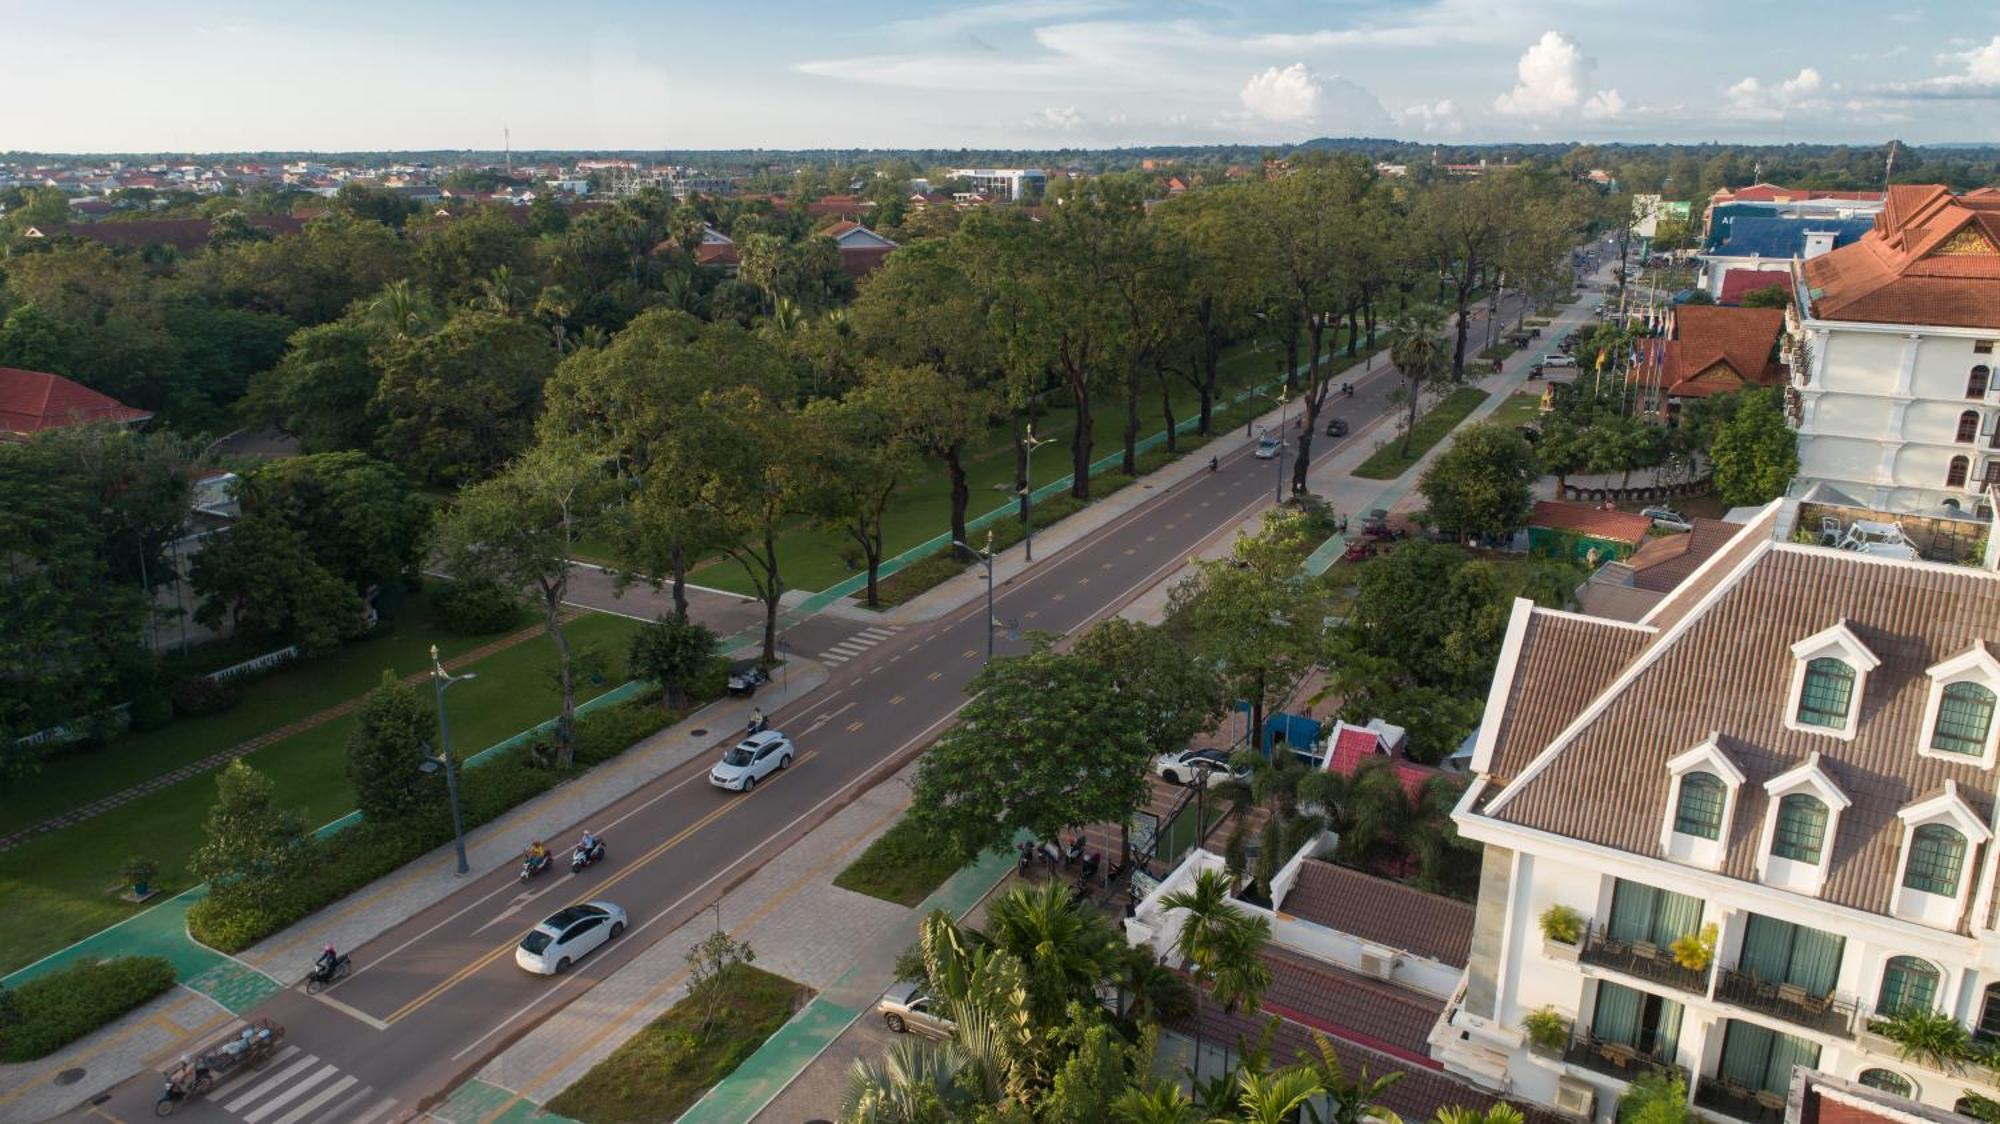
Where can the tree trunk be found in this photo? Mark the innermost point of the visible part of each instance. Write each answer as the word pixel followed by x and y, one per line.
pixel 1414 393
pixel 1167 406
pixel 961 492
pixel 774 588
pixel 1315 397
pixel 1079 445
pixel 552 595
pixel 1464 325
pixel 1368 315
pixel 679 565
pixel 1021 454
pixel 1353 333
pixel 1130 465
pixel 1292 360
pixel 1209 355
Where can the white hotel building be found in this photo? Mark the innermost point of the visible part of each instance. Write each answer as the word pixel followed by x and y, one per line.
pixel 1796 746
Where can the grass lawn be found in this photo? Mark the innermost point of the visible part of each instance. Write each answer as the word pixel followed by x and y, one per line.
pixel 811 558
pixel 57 887
pixel 668 1066
pixel 1389 461
pixel 1521 408
pixel 903 866
pixel 67 780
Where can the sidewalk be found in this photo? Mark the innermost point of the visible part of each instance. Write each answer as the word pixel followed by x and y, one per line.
pixel 216 987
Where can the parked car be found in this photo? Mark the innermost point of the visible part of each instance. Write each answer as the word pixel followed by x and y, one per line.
pixel 1335 427
pixel 751 760
pixel 1192 767
pixel 745 676
pixel 905 1009
pixel 1375 524
pixel 1559 361
pixel 1667 519
pixel 568 936
pixel 1268 444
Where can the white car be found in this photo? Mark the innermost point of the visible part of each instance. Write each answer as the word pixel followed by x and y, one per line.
pixel 1559 361
pixel 751 760
pixel 1191 767
pixel 1667 519
pixel 1268 445
pixel 568 936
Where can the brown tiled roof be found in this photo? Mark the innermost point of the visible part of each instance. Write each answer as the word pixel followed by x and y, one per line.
pixel 1667 561
pixel 1565 661
pixel 185 235
pixel 1728 672
pixel 1382 912
pixel 33 401
pixel 1583 519
pixel 1740 283
pixel 1713 350
pixel 1933 258
pixel 1710 572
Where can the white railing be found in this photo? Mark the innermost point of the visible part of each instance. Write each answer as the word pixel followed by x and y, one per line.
pixel 265 662
pixel 67 732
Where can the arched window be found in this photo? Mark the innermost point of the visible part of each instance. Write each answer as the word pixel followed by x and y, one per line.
pixel 1988 1029
pixel 1954 477
pixel 1975 383
pixel 1700 810
pixel 1965 714
pixel 1908 984
pixel 1886 1080
pixel 1827 693
pixel 1937 856
pixel 1968 427
pixel 1801 830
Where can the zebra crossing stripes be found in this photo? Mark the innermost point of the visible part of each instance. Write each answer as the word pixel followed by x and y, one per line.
pixel 296 1085
pixel 855 645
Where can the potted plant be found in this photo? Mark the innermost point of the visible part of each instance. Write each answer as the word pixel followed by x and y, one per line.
pixel 1695 951
pixel 1562 932
pixel 139 873
pixel 1547 1029
pixel 1928 1038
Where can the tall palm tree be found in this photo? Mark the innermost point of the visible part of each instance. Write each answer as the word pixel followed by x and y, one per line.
pixel 1161 1103
pixel 1240 976
pixel 1222 944
pixel 1275 1098
pixel 1417 347
pixel 401 311
pixel 1382 813
pixel 1291 794
pixel 1067 949
pixel 1348 1101
pixel 502 291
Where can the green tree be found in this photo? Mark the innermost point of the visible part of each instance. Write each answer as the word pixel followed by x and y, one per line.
pixel 384 758
pixel 1482 484
pixel 457 254
pixel 264 579
pixel 1755 452
pixel 855 458
pixel 252 847
pixel 1222 944
pixel 361 518
pixel 1771 296
pixel 43 206
pixel 1067 948
pixel 1044 745
pixel 519 530
pixel 459 403
pixel 672 651
pixel 1416 348
pixel 32 340
pixel 1355 1100
pixel 320 390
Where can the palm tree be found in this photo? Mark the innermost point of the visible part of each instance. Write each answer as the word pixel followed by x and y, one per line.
pixel 1381 813
pixel 914 1082
pixel 1492 1114
pixel 1222 943
pixel 1348 1102
pixel 552 307
pixel 501 291
pixel 1240 976
pixel 1162 1103
pixel 1149 992
pixel 400 311
pixel 1066 948
pixel 1276 1098
pixel 1417 348
pixel 1286 787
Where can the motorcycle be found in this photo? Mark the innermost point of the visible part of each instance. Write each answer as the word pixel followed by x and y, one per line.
pixel 320 978
pixel 1051 854
pixel 579 858
pixel 181 1087
pixel 1027 860
pixel 1075 852
pixel 533 866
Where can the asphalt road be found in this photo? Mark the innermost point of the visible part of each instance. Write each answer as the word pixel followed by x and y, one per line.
pixel 433 998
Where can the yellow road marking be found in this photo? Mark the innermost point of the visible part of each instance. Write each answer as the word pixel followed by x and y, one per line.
pixel 1031 614
pixel 1083 581
pixel 896 700
pixel 1131 550
pixel 935 676
pixel 853 727
pixel 971 652
pixel 597 890
pixel 1057 596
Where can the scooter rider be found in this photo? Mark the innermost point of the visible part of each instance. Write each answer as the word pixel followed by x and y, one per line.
pixel 328 959
pixel 537 854
pixel 1212 464
pixel 588 844
pixel 757 721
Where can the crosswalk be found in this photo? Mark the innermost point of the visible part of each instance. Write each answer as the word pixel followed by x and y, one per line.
pixel 296 1087
pixel 855 645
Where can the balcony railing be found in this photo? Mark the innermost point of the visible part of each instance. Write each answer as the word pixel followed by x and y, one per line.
pixel 1789 1002
pixel 1615 1059
pixel 1755 1105
pixel 1639 958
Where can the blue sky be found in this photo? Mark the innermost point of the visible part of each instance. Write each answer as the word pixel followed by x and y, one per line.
pixel 207 75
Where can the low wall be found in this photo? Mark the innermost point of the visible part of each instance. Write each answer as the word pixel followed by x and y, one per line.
pixel 1637 493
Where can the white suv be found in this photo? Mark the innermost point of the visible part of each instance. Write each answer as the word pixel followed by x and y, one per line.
pixel 751 760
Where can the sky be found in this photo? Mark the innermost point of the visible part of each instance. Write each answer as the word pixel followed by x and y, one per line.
pixel 230 75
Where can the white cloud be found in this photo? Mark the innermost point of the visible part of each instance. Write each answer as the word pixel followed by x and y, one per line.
pixel 1553 79
pixel 1802 92
pixel 1977 76
pixel 1291 94
pixel 1063 118
pixel 1438 117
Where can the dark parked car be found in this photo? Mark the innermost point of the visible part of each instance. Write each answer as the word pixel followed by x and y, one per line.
pixel 1336 427
pixel 745 676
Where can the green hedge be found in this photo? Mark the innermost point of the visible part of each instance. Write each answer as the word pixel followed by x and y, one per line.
pixel 57 1008
pixel 350 859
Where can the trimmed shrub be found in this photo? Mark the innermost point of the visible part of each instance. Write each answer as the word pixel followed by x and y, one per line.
pixel 198 694
pixel 57 1008
pixel 477 608
pixel 151 709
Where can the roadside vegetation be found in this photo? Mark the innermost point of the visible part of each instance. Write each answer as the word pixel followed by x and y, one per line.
pixel 1397 455
pixel 50 1012
pixel 903 866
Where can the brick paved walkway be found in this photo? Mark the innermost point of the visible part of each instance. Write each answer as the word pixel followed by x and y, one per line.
pixel 218 759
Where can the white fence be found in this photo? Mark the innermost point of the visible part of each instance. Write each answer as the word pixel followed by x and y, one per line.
pixel 69 731
pixel 264 662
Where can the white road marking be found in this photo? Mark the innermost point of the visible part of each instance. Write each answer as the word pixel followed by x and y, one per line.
pixel 317 1099
pixel 298 1090
pixel 269 1083
pixel 282 1057
pixel 369 1116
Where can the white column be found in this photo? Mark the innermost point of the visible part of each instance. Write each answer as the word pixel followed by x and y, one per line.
pixel 1906 374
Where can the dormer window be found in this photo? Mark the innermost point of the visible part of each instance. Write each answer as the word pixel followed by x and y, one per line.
pixel 1939 834
pixel 1700 803
pixel 1800 827
pixel 1958 717
pixel 1829 673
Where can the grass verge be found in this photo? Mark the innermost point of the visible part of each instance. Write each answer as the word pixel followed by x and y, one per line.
pixel 1390 461
pixel 1520 408
pixel 903 866
pixel 59 888
pixel 668 1066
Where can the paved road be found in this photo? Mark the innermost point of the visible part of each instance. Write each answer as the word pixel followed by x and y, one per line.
pixel 433 998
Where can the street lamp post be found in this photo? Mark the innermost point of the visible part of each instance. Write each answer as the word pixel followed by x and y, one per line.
pixel 442 680
pixel 1278 489
pixel 1028 499
pixel 985 556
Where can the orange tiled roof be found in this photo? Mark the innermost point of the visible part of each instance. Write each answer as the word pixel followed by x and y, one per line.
pixel 1933 258
pixel 1582 519
pixel 1713 350
pixel 33 401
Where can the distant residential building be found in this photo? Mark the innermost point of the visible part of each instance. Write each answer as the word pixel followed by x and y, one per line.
pixel 1011 184
pixel 1896 402
pixel 33 402
pixel 861 249
pixel 1753 237
pixel 184 235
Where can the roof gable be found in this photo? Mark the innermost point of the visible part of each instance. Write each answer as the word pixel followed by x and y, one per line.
pixel 34 401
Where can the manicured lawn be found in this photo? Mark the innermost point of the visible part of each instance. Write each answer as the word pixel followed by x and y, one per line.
pixel 668 1066
pixel 1389 461
pixel 903 866
pixel 69 779
pixel 57 887
pixel 1521 408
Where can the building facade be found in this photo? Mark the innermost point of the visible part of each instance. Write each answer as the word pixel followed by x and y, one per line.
pixel 1722 839
pixel 1012 184
pixel 1895 401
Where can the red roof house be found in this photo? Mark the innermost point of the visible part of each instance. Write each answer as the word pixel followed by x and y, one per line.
pixel 1710 349
pixel 1932 259
pixel 861 249
pixel 33 402
pixel 1352 746
pixel 1739 283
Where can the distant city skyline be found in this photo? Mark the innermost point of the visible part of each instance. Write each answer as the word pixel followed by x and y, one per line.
pixel 236 75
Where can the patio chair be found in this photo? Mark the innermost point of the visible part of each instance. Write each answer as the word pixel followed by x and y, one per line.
pixel 1645 950
pixel 1794 995
pixel 1829 530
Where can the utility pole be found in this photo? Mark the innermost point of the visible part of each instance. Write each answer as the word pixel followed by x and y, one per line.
pixel 985 556
pixel 507 146
pixel 442 681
